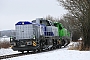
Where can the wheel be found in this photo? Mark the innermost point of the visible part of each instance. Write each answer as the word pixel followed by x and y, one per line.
pixel 35 50
pixel 22 51
pixel 39 50
pixel 63 42
pixel 59 46
pixel 27 51
pixel 67 41
pixel 50 49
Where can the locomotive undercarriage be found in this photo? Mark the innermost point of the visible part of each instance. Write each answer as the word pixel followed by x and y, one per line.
pixel 43 43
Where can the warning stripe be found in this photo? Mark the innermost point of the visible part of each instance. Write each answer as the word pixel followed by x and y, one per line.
pixel 34 43
pixel 11 46
pixel 59 42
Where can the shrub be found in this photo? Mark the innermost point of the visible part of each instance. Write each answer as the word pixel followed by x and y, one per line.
pixel 4 44
pixel 74 46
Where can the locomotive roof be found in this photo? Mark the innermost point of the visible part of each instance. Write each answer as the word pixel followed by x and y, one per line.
pixel 23 23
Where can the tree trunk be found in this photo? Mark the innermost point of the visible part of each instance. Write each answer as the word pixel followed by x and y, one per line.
pixel 86 33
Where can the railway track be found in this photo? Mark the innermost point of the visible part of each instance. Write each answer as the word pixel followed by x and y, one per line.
pixel 19 54
pixel 15 55
pixel 22 54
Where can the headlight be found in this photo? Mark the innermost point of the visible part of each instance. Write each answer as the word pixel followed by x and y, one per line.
pixel 11 39
pixel 33 36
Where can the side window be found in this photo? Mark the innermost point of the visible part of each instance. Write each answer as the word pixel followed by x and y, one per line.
pixel 41 22
pixel 48 24
pixel 55 24
pixel 60 27
pixel 51 23
pixel 45 22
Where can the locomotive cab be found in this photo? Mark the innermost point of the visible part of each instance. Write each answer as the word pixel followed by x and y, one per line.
pixel 43 21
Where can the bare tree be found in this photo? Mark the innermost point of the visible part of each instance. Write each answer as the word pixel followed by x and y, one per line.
pixel 70 23
pixel 80 10
pixel 49 17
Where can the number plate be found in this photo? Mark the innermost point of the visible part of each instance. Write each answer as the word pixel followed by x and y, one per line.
pixel 22 45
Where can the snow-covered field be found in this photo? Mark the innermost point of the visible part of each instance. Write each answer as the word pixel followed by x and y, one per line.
pixel 7 51
pixel 59 54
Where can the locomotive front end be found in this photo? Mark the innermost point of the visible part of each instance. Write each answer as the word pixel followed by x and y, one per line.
pixel 25 39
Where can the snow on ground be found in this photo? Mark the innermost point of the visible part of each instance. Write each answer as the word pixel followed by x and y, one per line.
pixel 7 51
pixel 59 54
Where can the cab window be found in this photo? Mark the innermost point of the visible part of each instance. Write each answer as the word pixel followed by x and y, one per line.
pixel 45 22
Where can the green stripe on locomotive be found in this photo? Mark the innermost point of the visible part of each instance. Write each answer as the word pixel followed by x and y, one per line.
pixel 61 30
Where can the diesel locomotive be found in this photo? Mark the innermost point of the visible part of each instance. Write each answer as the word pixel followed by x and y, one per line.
pixel 38 35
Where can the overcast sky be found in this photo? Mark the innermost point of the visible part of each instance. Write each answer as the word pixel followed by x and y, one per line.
pixel 12 11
